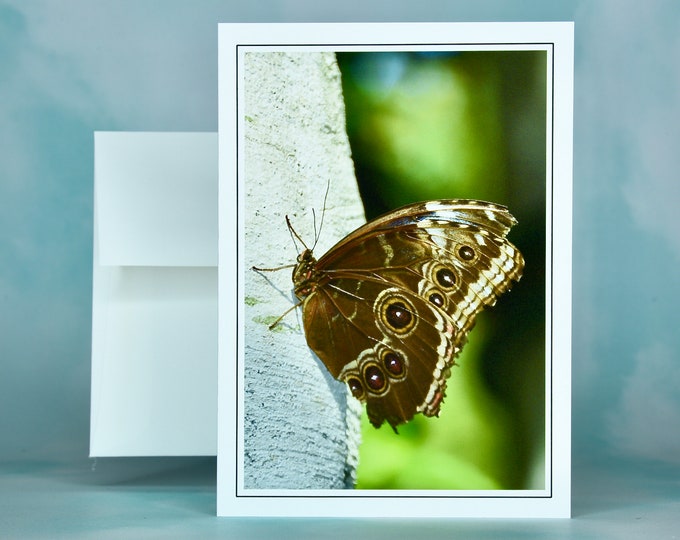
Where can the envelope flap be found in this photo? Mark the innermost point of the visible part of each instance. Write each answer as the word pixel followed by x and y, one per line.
pixel 156 198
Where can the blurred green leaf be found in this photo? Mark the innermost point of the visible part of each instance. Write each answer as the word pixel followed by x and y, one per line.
pixel 462 125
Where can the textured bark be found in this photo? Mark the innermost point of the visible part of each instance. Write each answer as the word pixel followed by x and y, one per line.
pixel 301 429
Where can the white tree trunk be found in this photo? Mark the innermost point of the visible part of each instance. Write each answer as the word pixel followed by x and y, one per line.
pixel 301 428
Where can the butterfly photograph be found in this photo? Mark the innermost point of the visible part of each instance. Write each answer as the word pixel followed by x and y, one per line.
pixel 393 272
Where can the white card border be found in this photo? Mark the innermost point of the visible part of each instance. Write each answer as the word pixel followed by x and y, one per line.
pixel 554 501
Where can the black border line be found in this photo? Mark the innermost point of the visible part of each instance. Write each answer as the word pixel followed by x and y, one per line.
pixel 236 273
pixel 552 272
pixel 343 494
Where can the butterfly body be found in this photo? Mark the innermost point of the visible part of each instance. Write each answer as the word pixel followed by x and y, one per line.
pixel 389 307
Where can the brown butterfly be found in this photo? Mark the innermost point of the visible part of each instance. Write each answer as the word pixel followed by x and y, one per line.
pixel 389 307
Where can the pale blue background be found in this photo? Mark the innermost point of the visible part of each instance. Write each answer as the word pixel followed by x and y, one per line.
pixel 70 67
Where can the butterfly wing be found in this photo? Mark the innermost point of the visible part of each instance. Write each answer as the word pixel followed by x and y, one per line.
pixel 395 300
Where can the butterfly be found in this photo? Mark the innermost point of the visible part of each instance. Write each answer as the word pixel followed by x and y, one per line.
pixel 389 307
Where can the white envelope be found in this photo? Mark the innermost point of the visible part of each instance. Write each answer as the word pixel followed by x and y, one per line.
pixel 154 312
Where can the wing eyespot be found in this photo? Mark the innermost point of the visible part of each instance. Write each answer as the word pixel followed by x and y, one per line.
pixel 436 298
pixel 356 387
pixel 467 253
pixel 395 313
pixel 375 379
pixel 446 278
pixel 394 364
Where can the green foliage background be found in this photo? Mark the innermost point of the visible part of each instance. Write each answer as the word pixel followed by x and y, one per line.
pixel 462 125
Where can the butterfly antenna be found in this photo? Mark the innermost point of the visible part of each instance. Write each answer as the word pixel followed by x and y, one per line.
pixel 317 234
pixel 294 233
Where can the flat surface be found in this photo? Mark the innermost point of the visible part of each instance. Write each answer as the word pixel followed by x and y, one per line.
pixel 135 67
pixel 175 498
